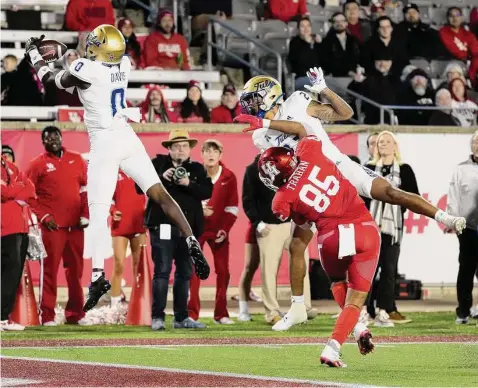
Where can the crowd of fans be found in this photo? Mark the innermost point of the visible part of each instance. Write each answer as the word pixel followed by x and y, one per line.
pixel 373 51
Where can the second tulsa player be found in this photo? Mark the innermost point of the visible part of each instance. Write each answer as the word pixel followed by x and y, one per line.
pixel 276 122
pixel 101 79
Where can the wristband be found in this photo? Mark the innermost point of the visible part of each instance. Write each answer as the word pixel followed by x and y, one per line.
pixel 58 82
pixel 266 123
pixel 42 71
pixel 35 56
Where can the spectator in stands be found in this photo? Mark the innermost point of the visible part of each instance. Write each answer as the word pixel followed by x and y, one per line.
pixel 26 88
pixel 456 69
pixel 8 154
pixel 86 15
pixel 371 144
pixel 474 21
pixel 464 109
pixel 200 10
pixel 220 214
pixel 340 50
pixel 81 47
pixel 459 42
pixel 304 52
pixel 164 48
pixel 59 177
pixel 417 90
pixel 17 192
pixel 127 212
pixel 421 40
pixel 389 219
pixel 9 65
pixel 379 85
pixel 133 48
pixel 154 109
pixel 377 10
pixel 229 107
pixel 381 39
pixel 462 195
pixel 55 96
pixel 194 109
pixel 286 10
pixel 443 117
pixel 357 27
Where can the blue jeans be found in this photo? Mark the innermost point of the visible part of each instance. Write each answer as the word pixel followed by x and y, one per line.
pixel 163 252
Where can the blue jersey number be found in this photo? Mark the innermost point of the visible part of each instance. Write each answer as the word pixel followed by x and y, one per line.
pixel 117 96
pixel 78 66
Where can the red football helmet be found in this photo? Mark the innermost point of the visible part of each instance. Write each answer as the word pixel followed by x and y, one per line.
pixel 276 165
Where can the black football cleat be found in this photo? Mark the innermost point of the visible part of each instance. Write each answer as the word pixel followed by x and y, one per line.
pixel 95 291
pixel 201 266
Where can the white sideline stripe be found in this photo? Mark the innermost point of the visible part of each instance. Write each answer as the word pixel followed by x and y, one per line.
pixel 17 382
pixel 263 345
pixel 191 371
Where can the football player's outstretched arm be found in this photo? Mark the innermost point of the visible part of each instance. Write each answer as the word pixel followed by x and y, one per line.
pixel 289 127
pixel 337 110
pixel 63 79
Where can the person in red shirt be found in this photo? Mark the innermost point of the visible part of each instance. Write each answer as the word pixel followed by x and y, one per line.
pixel 17 191
pixel 220 214
pixel 286 10
pixel 229 107
pixel 154 109
pixel 312 191
pixel 164 48
pixel 59 177
pixel 460 43
pixel 86 15
pixel 193 109
pixel 127 214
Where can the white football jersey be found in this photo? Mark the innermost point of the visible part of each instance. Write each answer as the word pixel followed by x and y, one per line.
pixel 295 109
pixel 107 94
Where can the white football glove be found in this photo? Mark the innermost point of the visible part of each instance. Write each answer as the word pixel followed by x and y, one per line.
pixel 316 78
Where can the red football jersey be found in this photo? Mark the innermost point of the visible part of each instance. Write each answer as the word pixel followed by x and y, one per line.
pixel 318 192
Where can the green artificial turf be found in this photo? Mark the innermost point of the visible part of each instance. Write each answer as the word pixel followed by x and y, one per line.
pixel 450 365
pixel 442 323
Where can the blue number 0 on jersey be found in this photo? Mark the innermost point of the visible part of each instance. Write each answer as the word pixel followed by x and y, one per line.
pixel 117 96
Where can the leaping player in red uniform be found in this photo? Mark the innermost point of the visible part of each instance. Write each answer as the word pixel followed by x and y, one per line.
pixel 312 190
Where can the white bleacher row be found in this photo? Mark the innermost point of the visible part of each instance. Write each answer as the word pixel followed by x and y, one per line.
pixel 213 97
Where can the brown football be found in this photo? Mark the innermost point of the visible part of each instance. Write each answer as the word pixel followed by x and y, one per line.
pixel 51 50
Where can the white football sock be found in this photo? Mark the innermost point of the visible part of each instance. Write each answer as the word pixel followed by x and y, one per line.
pixel 99 234
pixel 115 300
pixel 243 308
pixel 299 299
pixel 359 329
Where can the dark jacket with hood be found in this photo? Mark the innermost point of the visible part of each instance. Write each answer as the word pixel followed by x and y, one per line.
pixel 303 55
pixel 408 97
pixel 25 87
pixel 420 39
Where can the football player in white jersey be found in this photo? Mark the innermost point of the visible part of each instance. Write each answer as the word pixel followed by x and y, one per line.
pixel 280 123
pixel 101 79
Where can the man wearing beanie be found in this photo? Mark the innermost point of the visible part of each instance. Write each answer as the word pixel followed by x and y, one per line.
pixel 164 48
pixel 8 153
pixel 421 40
pixel 229 107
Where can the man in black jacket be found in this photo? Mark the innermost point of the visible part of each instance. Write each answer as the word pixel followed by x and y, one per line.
pixel 273 236
pixel 188 184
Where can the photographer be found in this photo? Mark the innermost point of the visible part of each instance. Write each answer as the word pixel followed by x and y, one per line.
pixel 188 184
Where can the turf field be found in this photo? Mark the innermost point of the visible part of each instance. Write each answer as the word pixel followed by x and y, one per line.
pixel 430 351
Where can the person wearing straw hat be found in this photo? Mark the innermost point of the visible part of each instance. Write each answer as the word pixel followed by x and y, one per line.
pixel 188 185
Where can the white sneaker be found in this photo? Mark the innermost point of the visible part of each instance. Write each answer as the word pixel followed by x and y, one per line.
pixel 365 317
pixel 254 297
pixel 50 323
pixel 225 321
pixel 331 355
pixel 474 312
pixel 244 317
pixel 11 326
pixel 295 316
pixel 462 321
pixel 383 320
pixel 85 322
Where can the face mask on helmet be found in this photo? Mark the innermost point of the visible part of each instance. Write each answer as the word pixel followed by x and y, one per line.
pixel 260 95
pixel 276 166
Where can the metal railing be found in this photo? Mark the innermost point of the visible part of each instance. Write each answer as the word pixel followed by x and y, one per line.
pixel 210 45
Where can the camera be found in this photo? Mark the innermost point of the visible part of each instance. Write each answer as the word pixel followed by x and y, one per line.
pixel 179 174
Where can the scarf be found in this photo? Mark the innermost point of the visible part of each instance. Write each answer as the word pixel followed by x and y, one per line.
pixel 388 217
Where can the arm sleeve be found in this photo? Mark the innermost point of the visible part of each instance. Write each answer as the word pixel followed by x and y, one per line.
pixel 293 56
pixel 409 181
pixel 200 189
pixel 186 64
pixel 302 7
pixel 110 15
pixel 281 207
pixel 453 194
pixel 73 19
pixel 83 192
pixel 450 45
pixel 150 52
pixel 248 197
pixel 232 208
pixel 33 175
